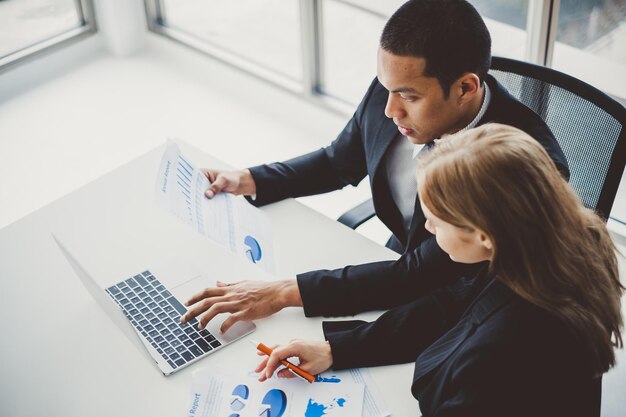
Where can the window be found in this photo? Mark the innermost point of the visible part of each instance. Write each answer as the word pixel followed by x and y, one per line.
pixel 590 43
pixel 28 27
pixel 262 36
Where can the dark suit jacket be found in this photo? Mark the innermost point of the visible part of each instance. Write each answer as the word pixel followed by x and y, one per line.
pixel 481 351
pixel 359 151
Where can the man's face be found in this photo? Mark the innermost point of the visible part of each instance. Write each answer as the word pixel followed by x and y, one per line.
pixel 416 103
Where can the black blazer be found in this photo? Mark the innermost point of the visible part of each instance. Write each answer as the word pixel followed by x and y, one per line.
pixel 359 151
pixel 479 350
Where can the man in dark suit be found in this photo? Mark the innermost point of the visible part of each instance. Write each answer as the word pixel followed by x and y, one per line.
pixel 432 80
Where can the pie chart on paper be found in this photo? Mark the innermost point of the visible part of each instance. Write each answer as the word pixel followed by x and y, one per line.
pixel 274 404
pixel 253 249
pixel 238 400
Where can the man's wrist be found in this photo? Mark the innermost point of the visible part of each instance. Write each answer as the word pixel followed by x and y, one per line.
pixel 246 183
pixel 290 293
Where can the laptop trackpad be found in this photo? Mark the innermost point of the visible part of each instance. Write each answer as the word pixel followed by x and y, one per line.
pixel 185 290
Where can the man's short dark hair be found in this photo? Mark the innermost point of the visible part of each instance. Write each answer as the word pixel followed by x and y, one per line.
pixel 449 35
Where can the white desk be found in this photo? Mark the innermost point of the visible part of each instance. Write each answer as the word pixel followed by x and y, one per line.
pixel 62 356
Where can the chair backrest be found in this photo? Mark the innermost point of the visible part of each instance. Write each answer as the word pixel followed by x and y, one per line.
pixel 588 124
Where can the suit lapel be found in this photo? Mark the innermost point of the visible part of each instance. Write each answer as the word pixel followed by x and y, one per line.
pixel 493 297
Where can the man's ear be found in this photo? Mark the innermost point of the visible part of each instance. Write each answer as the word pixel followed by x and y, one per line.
pixel 468 86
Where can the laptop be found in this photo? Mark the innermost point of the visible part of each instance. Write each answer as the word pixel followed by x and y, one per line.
pixel 148 311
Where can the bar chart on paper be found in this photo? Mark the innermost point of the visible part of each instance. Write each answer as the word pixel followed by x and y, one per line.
pixel 227 220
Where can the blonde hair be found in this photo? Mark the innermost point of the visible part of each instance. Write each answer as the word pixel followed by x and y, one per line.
pixel 547 247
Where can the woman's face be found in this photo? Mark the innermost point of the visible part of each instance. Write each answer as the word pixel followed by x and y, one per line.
pixel 463 245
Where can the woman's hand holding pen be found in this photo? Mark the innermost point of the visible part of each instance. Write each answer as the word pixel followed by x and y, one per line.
pixel 315 357
pixel 245 300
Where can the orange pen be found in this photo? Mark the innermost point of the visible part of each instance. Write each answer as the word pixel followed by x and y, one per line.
pixel 293 368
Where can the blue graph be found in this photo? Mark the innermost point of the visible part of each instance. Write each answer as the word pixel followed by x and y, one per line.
pixel 274 404
pixel 240 394
pixel 253 252
pixel 183 179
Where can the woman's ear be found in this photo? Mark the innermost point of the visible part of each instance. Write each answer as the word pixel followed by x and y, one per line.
pixel 485 241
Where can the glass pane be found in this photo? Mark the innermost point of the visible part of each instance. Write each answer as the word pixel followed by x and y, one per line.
pixel 591 40
pixel 352 29
pixel 25 23
pixel 265 32
pixel 350 41
pixel 506 21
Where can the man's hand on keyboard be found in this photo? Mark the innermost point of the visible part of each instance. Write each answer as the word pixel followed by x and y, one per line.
pixel 245 300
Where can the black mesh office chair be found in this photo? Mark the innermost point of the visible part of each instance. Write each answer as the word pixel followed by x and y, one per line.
pixel 588 124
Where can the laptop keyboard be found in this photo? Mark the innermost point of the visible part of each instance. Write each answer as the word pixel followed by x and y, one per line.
pixel 155 313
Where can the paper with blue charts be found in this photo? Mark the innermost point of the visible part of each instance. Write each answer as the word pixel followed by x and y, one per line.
pixel 237 393
pixel 227 220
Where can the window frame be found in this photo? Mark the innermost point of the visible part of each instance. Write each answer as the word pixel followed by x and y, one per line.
pixel 88 27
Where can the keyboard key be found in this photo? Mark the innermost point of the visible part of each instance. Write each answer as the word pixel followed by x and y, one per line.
pixel 160 326
pixel 119 296
pixel 133 312
pixel 151 278
pixel 209 338
pixel 158 339
pixel 195 336
pixel 146 273
pixel 113 290
pixel 155 322
pixel 150 316
pixel 204 333
pixel 196 350
pixel 143 323
pixel 160 351
pixel 153 293
pixel 163 345
pixel 167 294
pixel 126 290
pixel 149 328
pixel 175 342
pixel 178 332
pixel 169 350
pixel 140 305
pixel 176 304
pixel 125 301
pixel 216 343
pixel 131 283
pixel 145 310
pixel 153 333
pixel 160 288
pixel 172 364
pixel 180 362
pixel 189 343
pixel 164 304
pixel 173 326
pixel 174 356
pixel 175 315
pixel 158 298
pixel 170 337
pixel 181 349
pixel 158 310
pixel 183 337
pixel 203 345
pixel 141 280
pixel 135 300
pixel 188 356
pixel 165 332
pixel 162 316
pixel 168 309
pixel 168 321
pixel 152 305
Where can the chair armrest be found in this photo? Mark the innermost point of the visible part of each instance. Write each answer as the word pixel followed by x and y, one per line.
pixel 358 215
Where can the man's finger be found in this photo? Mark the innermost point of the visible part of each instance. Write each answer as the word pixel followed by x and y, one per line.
pixel 205 293
pixel 261 365
pixel 200 308
pixel 217 186
pixel 214 310
pixel 286 373
pixel 232 319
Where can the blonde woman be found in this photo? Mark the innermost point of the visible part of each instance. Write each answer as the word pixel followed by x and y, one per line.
pixel 533 332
